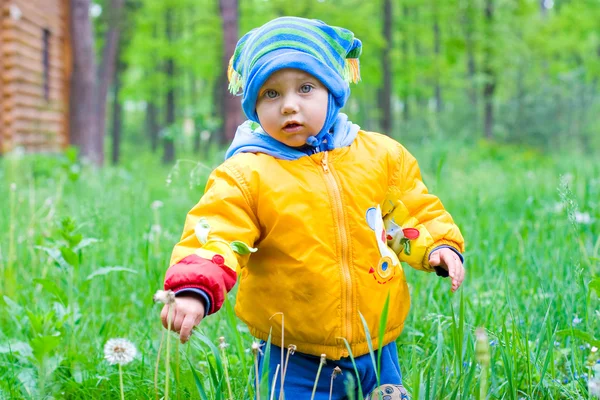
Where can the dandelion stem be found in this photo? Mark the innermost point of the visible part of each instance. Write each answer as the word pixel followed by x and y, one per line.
pixel 256 375
pixel 291 349
pixel 483 384
pixel 121 381
pixel 336 371
pixel 282 346
pixel 226 366
pixel 162 339
pixel 482 355
pixel 177 367
pixel 317 378
pixel 274 382
pixel 168 361
pixel 331 386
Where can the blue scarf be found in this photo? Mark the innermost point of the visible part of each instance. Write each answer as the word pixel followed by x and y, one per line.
pixel 251 138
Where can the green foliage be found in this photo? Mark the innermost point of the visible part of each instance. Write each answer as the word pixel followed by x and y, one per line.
pixel 545 62
pixel 533 261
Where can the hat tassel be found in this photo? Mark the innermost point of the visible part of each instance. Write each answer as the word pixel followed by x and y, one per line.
pixel 352 70
pixel 235 79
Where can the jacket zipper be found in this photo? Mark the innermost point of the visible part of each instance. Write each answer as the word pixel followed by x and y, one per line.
pixel 343 234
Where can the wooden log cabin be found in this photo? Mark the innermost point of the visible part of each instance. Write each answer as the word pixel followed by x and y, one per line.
pixel 35 67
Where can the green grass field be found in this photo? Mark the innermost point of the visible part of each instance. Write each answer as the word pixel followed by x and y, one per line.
pixel 83 251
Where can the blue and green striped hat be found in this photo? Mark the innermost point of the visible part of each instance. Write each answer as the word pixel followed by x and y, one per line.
pixel 327 52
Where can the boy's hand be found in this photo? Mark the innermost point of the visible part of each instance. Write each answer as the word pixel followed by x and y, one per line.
pixel 449 260
pixel 186 313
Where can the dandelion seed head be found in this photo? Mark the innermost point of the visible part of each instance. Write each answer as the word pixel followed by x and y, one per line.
pixel 323 359
pixel 222 344
pixel 594 349
pixel 292 349
pixel 594 388
pixel 558 207
pixel 336 371
pixel 256 348
pixel 164 296
pixel 204 135
pixel 583 218
pixel 13 187
pixel 119 351
pixel 156 204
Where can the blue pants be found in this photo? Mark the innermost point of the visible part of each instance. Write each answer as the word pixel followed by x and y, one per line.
pixel 302 371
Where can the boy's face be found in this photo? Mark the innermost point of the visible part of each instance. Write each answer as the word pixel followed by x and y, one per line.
pixel 291 106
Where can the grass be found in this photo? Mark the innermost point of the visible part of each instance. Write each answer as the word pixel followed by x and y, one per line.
pixel 83 251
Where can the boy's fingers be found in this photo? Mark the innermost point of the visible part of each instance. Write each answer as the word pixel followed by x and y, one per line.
pixel 186 327
pixel 177 321
pixel 163 315
pixel 435 259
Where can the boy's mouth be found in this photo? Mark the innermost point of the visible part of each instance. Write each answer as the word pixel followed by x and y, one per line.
pixel 292 126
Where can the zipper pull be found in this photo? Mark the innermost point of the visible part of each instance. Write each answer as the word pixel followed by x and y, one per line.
pixel 324 162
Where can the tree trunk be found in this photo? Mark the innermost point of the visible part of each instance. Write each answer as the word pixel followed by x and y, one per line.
pixel 437 50
pixel 469 25
pixel 117 114
pixel 152 125
pixel 83 124
pixel 107 68
pixel 385 93
pixel 490 75
pixel 405 63
pixel 231 109
pixel 169 140
pixel 421 101
pixel 198 120
pixel 543 8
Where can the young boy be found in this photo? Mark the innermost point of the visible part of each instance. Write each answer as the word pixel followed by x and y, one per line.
pixel 313 213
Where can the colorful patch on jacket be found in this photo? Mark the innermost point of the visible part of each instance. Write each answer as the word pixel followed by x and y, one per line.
pixel 398 238
pixel 388 264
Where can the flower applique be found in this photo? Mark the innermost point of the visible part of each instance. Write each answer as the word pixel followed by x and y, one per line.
pixel 388 263
pixel 241 248
pixel 399 238
pixel 202 230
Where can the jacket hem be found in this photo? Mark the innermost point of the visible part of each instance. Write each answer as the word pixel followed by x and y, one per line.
pixel 331 351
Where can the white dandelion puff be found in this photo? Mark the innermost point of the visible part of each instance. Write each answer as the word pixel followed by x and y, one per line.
pixel 164 296
pixel 594 383
pixel 256 348
pixel 222 343
pixel 156 204
pixel 583 218
pixel 119 351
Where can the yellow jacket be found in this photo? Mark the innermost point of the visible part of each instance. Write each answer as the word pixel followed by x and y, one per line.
pixel 321 227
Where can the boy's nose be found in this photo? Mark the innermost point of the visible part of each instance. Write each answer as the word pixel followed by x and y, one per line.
pixel 289 106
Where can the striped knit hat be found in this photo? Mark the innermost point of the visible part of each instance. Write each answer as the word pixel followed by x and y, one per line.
pixel 328 53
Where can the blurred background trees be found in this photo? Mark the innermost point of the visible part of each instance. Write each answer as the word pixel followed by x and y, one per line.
pixel 514 71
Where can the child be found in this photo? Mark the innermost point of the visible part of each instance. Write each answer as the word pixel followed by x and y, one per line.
pixel 313 214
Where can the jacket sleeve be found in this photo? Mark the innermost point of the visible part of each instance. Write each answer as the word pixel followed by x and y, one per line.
pixel 218 236
pixel 415 220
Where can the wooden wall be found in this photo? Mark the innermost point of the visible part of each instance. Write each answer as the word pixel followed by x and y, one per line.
pixel 35 65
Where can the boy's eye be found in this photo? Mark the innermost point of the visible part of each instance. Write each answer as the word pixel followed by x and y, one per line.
pixel 271 94
pixel 306 89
